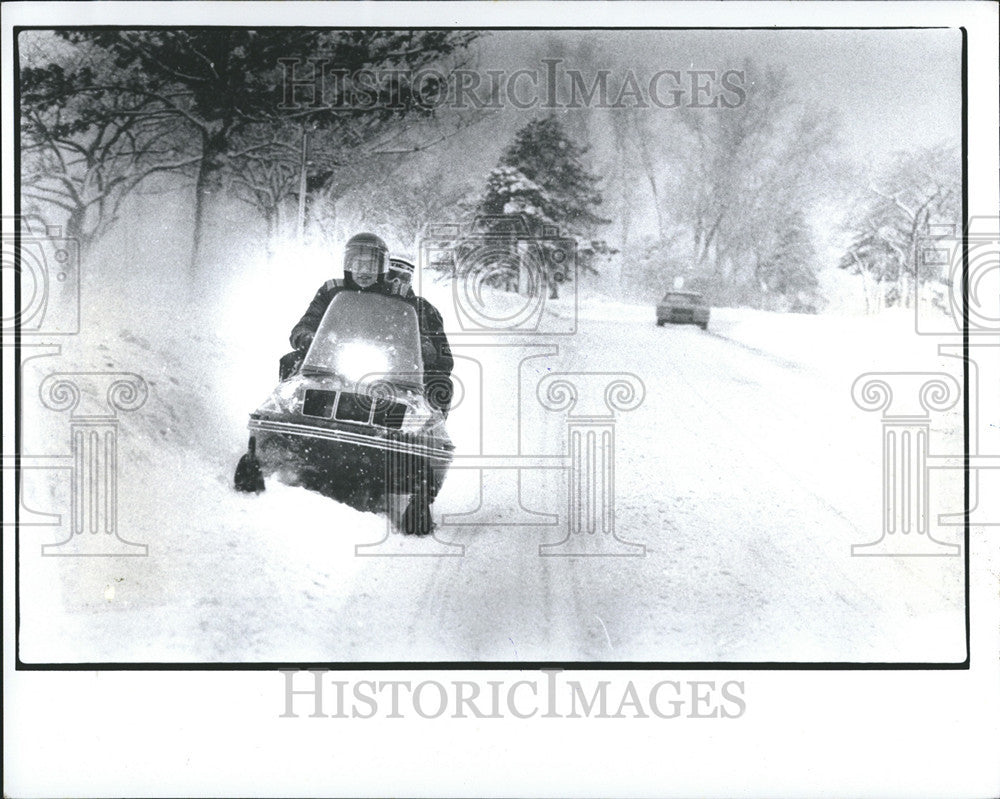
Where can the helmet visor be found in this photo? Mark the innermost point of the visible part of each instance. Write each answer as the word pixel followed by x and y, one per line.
pixel 366 263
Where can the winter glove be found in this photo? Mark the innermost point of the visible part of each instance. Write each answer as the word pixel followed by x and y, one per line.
pixel 302 340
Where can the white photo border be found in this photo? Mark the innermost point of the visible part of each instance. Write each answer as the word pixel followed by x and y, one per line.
pixel 820 730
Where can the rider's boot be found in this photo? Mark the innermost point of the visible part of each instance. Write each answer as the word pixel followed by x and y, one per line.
pixel 417 519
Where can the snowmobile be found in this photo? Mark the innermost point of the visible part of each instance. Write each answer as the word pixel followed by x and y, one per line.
pixel 350 419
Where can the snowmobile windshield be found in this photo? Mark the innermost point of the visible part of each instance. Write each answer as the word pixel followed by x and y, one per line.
pixel 367 337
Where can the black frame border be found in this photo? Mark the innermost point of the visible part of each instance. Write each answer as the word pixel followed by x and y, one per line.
pixel 20 665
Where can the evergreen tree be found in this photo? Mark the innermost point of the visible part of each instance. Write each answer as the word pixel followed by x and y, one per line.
pixel 542 175
pixel 788 278
pixel 542 178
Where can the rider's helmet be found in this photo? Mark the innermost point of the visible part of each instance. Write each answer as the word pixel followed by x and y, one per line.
pixel 366 259
pixel 399 277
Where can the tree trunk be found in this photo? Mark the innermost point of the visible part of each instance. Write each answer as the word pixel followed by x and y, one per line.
pixel 75 225
pixel 201 194
pixel 270 229
pixel 212 146
pixel 649 169
pixel 867 285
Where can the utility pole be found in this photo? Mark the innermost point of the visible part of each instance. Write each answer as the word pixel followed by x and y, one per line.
pixel 303 168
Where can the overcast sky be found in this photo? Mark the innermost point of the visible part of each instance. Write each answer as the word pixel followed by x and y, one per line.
pixel 895 89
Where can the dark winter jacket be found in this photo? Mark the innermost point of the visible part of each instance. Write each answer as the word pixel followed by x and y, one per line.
pixel 438 360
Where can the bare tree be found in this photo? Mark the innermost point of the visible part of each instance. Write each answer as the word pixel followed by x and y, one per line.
pixel 384 182
pixel 85 152
pixel 737 177
pixel 907 202
pixel 216 88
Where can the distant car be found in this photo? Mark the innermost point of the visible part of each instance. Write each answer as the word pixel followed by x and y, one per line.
pixel 683 307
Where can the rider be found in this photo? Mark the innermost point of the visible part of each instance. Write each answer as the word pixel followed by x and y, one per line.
pixel 367 267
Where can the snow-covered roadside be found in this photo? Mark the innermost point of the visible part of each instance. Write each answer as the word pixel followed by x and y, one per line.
pixel 833 342
pixel 836 341
pixel 231 577
pixel 836 348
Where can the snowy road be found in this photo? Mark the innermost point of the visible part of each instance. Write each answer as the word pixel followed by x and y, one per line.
pixel 746 476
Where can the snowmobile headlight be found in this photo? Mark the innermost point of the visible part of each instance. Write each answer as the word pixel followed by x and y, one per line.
pixel 283 399
pixel 356 360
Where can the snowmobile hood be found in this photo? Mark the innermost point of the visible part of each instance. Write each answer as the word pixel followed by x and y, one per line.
pixel 368 338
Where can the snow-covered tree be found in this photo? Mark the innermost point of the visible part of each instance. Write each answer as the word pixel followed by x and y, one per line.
pixel 544 173
pixel 84 153
pixel 542 178
pixel 510 191
pixel 225 92
pixel 787 276
pixel 737 177
pixel 874 256
pixel 916 195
